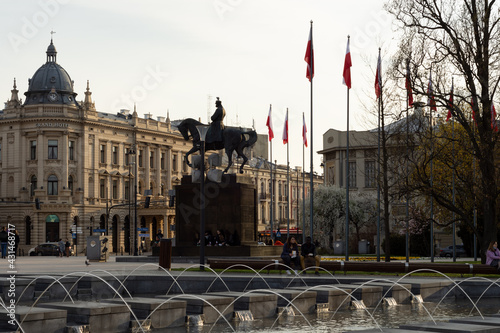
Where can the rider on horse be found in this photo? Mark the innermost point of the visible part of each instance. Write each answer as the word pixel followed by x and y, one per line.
pixel 214 133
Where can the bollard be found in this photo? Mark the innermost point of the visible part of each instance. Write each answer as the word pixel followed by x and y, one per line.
pixel 166 253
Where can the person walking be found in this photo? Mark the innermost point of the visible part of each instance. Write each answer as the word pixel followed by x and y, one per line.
pixel 4 237
pixel 67 247
pixel 61 246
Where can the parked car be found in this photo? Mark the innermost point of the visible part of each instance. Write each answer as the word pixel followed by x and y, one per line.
pixel 46 249
pixel 448 251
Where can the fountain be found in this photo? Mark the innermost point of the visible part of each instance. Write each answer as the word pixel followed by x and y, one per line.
pixel 151 299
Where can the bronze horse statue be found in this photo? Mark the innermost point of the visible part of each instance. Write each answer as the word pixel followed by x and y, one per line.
pixel 233 139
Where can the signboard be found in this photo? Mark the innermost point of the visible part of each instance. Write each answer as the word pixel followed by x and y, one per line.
pixel 142 229
pixel 144 235
pixel 74 236
pixel 99 230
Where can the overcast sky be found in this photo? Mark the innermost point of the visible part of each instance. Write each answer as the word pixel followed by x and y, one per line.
pixel 180 55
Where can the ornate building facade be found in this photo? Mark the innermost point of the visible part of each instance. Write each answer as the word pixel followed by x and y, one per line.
pixel 68 171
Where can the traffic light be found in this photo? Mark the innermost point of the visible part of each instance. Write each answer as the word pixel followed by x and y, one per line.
pixel 37 204
pixel 148 201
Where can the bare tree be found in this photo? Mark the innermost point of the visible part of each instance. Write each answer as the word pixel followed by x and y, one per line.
pixel 459 37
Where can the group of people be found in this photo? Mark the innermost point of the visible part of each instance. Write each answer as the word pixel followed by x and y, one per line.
pixel 221 238
pixel 291 254
pixel 4 241
pixel 64 247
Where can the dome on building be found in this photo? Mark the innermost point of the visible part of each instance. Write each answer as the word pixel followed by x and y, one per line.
pixel 50 84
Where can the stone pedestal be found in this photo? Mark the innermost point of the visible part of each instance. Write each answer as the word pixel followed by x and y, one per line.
pixel 230 206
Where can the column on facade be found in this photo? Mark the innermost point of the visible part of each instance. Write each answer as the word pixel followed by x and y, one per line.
pixel 23 158
pixel 158 170
pixel 64 159
pixel 168 166
pixel 147 168
pixel 40 152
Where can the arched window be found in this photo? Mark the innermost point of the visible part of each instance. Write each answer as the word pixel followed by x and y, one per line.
pixel 52 185
pixel 33 185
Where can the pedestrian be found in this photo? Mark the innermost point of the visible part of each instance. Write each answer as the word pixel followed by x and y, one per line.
pixel 493 255
pixel 291 254
pixel 67 247
pixel 308 249
pixel 61 247
pixel 4 237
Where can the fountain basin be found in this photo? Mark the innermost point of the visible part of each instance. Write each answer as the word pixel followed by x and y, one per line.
pixel 400 292
pixel 100 317
pixel 35 320
pixel 370 295
pixel 166 314
pixel 202 305
pixel 303 301
pixel 336 298
pixel 261 305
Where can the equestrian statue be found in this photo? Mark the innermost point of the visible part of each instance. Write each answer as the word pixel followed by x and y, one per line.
pixel 218 136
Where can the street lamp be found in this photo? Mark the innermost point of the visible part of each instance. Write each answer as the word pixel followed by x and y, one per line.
pixel 202 130
pixel 132 151
pixel 130 202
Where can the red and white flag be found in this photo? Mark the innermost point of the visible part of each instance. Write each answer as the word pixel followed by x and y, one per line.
pixel 346 75
pixel 409 92
pixel 309 57
pixel 269 125
pixel 378 77
pixel 304 130
pixel 431 102
pixel 450 104
pixel 285 129
pixel 473 112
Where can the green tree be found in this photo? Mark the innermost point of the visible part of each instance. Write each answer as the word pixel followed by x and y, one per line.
pixel 461 38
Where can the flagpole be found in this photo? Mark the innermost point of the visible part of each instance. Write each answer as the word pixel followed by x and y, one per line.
pixel 347 180
pixel 378 165
pixel 453 189
pixel 271 186
pixel 303 185
pixel 432 186
pixel 312 144
pixel 287 180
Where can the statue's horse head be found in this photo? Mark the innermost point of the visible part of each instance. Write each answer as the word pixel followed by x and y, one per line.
pixel 183 129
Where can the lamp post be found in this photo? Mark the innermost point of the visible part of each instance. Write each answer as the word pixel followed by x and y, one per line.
pixel 202 130
pixel 130 203
pixel 132 151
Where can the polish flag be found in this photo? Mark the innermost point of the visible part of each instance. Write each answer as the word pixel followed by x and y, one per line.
pixel 304 130
pixel 430 95
pixel 285 129
pixel 269 124
pixel 346 75
pixel 409 92
pixel 494 125
pixel 309 57
pixel 378 78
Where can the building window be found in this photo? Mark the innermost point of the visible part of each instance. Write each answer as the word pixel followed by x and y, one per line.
pixel 174 162
pixel 352 174
pixel 102 150
pixel 162 161
pixel 71 151
pixel 52 185
pixel 70 184
pixel 115 189
pixel 115 155
pixel 370 179
pixel 127 190
pixel 126 156
pixel 33 150
pixel 139 190
pixel 52 149
pixel 151 159
pixel 33 185
pixel 102 188
pixel 140 158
